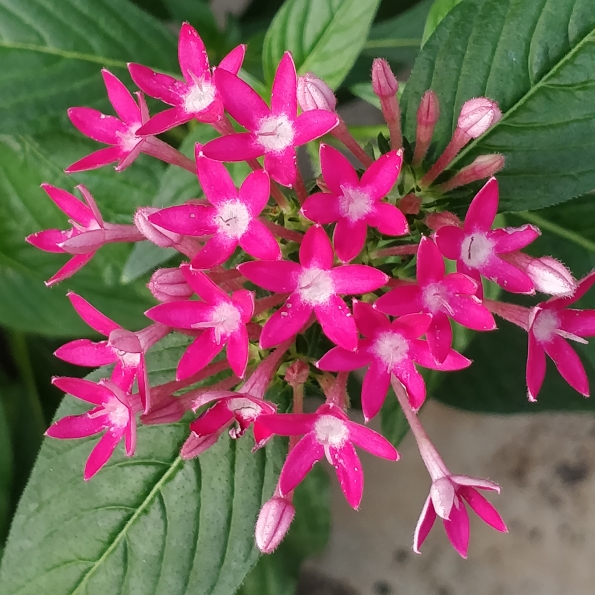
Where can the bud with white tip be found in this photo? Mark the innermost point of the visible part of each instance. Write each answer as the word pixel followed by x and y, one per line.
pixel 273 523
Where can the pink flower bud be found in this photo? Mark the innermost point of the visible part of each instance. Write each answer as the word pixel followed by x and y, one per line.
pixel 297 373
pixel 169 285
pixel 427 117
pixel 384 82
pixel 477 115
pixel 195 445
pixel 169 411
pixel 410 204
pixel 159 236
pixel 437 220
pixel 484 166
pixel 314 93
pixel 273 523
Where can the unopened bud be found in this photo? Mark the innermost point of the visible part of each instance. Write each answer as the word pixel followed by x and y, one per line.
pixel 159 236
pixel 477 115
pixel 195 445
pixel 427 117
pixel 273 523
pixel 297 373
pixel 169 285
pixel 314 93
pixel 169 411
pixel 384 82
pixel 484 166
pixel 437 220
pixel 410 204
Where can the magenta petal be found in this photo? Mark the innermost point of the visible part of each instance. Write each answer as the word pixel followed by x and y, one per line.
pixel 192 54
pixel 413 382
pixel 76 263
pixel 509 239
pixel 121 98
pixel 306 453
pixel 213 419
pixel 412 326
pixel 424 525
pixel 337 322
pixel 199 353
pixel 130 439
pixel 460 283
pixel 76 426
pixel 96 159
pixel 353 279
pixel 82 352
pixel 85 390
pixel 337 170
pixel 214 179
pixel 568 363
pixel 240 100
pixel 349 238
pixel 484 509
pixel 457 528
pixel 165 120
pixel 282 166
pixel 382 175
pixel 70 205
pixel 188 219
pixel 371 441
pixel 316 249
pixel 285 322
pixel 449 239
pixel 471 313
pixel 233 61
pixel 483 208
pixel 237 351
pixel 507 276
pixel 578 322
pixel 321 208
pixel 243 300
pixel 369 320
pixel 181 313
pixel 405 299
pixel 215 251
pixel 430 265
pixel 374 389
pixel 288 424
pixel 420 353
pixel 160 86
pixel 96 125
pixel 48 240
pixel 203 286
pixel 342 360
pixel 388 220
pixel 278 276
pixel 582 287
pixel 255 192
pixel 101 453
pixel 284 91
pixel 349 472
pixel 92 316
pixel 233 147
pixel 439 336
pixel 313 124
pixel 259 242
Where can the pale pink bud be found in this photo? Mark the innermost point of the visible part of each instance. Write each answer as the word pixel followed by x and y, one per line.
pixel 159 236
pixel 196 445
pixel 169 411
pixel 273 523
pixel 314 93
pixel 384 82
pixel 427 116
pixel 297 373
pixel 477 115
pixel 437 220
pixel 169 285
pixel 484 166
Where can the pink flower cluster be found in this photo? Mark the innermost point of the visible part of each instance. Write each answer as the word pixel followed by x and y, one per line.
pixel 255 274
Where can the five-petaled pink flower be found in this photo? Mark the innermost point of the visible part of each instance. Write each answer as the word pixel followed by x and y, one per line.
pixel 224 319
pixel 356 204
pixel 440 295
pixel 550 323
pixel 231 220
pixel 120 132
pixel 327 433
pixel 476 247
pixel 195 97
pixel 88 232
pixel 273 132
pixel 113 412
pixel 389 349
pixel 315 287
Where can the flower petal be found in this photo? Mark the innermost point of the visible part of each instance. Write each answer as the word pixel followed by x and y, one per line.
pixel 157 85
pixel 233 61
pixel 255 192
pixel 199 353
pixel 285 323
pixel 259 242
pixel 48 240
pixel 92 316
pixel 507 276
pixel 306 453
pixel 121 98
pixel 349 472
pixel 413 382
pixel 70 205
pixel 76 263
pixel 568 363
pixel 183 314
pixel 449 240
pixel 337 322
pixel 96 159
pixel 215 251
pixel 192 54
pixel 188 219
pixel 349 238
pixel 213 419
pixel 165 120
pixel 282 166
pixel 316 249
pixel 405 299
pixel 578 322
pixel 374 389
pixel 424 525
pixel 204 286
pixel 237 351
pixel 101 453
pixel 288 424
pixel 76 426
pixel 98 126
pixel 278 276
pixel 457 528
pixel 430 264
pixel 388 220
pixel 284 91
pixel 509 239
pixel 484 509
pixel 420 353
pixel 83 352
pixel 322 208
pixel 214 179
pixel 369 320
pixel 85 390
pixel 412 326
pixel 371 441
pixel 243 300
pixel 439 336
pixel 343 360
pixel 337 170
pixel 382 175
pixel 313 124
pixel 471 313
pixel 483 208
pixel 582 287
pixel 351 279
pixel 233 147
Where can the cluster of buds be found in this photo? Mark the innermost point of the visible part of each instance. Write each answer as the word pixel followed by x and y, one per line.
pixel 318 259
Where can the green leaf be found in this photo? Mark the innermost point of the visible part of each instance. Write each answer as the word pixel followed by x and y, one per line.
pixel 439 10
pixel 364 91
pixel 324 36
pixel 6 467
pixel 25 303
pixel 537 59
pixel 149 524
pixel 51 52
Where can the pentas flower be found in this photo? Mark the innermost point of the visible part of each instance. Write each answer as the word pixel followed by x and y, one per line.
pixel 389 349
pixel 194 98
pixel 113 413
pixel 88 232
pixel 355 204
pixel 232 219
pixel 440 295
pixel 327 433
pixel 223 317
pixel 315 287
pixel 273 132
pixel 124 348
pixel 477 248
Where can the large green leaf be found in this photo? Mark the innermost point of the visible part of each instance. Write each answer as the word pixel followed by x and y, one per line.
pixel 6 466
pixel 51 52
pixel 439 10
pixel 149 524
pixel 25 303
pixel 537 59
pixel 324 36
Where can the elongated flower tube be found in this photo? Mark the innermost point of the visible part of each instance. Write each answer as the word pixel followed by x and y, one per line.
pixel 427 118
pixel 315 287
pixel 385 87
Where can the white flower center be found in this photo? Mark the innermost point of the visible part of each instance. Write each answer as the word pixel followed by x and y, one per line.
pixel 354 204
pixel 330 431
pixel 545 326
pixel 275 133
pixel 315 286
pixel 117 413
pixel 232 219
pixel 476 250
pixel 128 139
pixel 200 95
pixel 245 407
pixel 390 348
pixel 225 319
pixel 435 298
